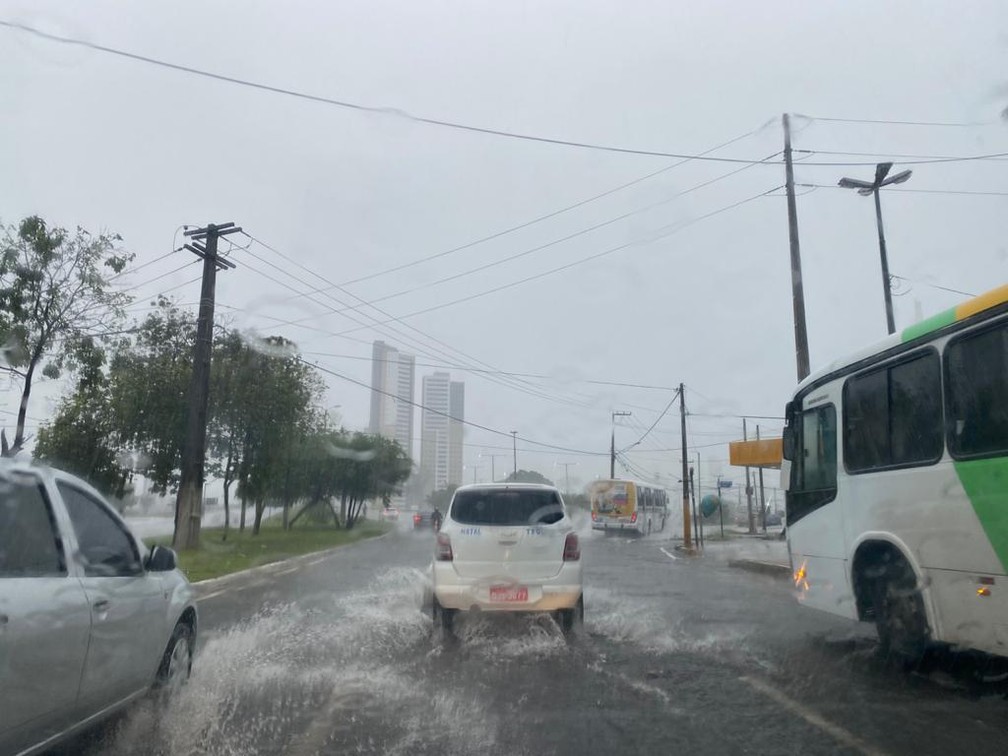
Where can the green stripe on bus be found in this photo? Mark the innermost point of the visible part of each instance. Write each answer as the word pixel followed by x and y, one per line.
pixel 933 323
pixel 986 484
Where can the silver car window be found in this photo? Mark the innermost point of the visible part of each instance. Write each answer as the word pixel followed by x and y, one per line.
pixel 28 544
pixel 105 548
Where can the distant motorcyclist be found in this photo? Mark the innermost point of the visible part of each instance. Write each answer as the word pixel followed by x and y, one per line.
pixel 436 519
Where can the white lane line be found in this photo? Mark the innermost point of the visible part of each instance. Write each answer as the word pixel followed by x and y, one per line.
pixel 287 571
pixel 315 561
pixel 836 731
pixel 670 556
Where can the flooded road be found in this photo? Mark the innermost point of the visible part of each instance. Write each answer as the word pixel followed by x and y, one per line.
pixel 333 654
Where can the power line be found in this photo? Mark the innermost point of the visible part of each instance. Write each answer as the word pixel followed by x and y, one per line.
pixel 554 242
pixel 978 193
pixel 657 420
pixel 661 234
pixel 158 278
pixel 514 385
pixel 942 124
pixel 547 216
pixel 896 155
pixel 470 423
pixel 388 111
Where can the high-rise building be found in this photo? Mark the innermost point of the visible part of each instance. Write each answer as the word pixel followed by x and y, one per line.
pixel 441 430
pixel 392 381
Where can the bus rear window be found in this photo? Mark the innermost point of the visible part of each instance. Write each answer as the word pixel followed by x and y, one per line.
pixel 507 507
pixel 976 373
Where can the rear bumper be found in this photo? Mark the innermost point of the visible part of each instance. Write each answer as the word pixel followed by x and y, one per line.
pixel 559 592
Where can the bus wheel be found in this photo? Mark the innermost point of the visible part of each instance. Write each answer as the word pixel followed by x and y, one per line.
pixel 649 526
pixel 899 611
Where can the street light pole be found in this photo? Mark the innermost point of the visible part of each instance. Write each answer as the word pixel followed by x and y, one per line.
pixel 864 188
pixel 514 445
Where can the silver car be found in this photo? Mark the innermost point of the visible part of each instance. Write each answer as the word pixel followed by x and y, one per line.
pixel 508 548
pixel 89 620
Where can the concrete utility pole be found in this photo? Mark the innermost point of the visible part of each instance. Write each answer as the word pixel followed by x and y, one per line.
pixel 748 486
pixel 864 188
pixel 685 470
pixel 797 289
pixel 514 451
pixel 566 466
pixel 612 442
pixel 762 491
pixel 189 502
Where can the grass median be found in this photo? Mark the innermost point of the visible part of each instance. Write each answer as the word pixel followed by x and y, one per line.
pixel 216 557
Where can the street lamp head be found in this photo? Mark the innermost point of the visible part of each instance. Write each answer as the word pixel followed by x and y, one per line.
pixel 849 183
pixel 881 171
pixel 899 178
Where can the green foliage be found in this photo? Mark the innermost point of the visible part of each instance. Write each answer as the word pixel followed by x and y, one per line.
pixel 55 297
pixel 528 476
pixel 441 498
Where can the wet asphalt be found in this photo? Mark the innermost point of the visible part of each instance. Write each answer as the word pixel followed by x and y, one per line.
pixel 334 654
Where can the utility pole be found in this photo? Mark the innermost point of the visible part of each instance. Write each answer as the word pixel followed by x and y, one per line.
pixel 748 486
pixel 685 471
pixel 762 491
pixel 189 502
pixel 696 521
pixel 566 466
pixel 612 442
pixel 514 451
pixel 720 506
pixel 699 497
pixel 797 289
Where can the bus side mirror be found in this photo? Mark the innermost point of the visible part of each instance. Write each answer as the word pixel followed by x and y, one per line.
pixel 788 443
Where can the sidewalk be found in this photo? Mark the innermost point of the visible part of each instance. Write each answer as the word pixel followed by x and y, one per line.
pixel 767 554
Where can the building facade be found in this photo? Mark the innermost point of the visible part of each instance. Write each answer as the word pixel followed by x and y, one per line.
pixel 392 387
pixel 441 427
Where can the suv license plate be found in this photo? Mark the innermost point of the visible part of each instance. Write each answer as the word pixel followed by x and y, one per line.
pixel 508 593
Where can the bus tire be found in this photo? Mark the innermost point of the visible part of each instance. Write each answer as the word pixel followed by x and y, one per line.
pixel 649 526
pixel 898 607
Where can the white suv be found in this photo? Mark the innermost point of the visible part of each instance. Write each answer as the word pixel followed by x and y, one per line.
pixel 508 548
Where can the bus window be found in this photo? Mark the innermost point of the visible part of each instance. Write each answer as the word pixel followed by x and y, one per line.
pixel 814 471
pixel 976 368
pixel 893 415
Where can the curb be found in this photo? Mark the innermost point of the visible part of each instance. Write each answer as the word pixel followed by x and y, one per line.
pixel 307 557
pixel 774 569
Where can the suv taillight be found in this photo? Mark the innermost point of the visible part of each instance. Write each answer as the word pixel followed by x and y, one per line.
pixel 443 552
pixel 633 517
pixel 572 548
pixel 594 515
pixel 416 519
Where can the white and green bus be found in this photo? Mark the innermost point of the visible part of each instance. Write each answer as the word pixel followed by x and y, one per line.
pixel 896 470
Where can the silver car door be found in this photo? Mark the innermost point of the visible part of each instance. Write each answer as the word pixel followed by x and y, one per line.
pixel 44 619
pixel 127 604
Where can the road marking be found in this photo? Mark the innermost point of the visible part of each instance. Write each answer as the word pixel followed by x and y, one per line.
pixel 316 561
pixel 670 556
pixel 836 731
pixel 287 571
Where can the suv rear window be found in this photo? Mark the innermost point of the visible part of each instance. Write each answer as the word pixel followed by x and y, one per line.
pixel 507 507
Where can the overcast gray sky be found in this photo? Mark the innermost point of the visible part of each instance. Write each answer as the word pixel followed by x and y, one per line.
pixel 104 142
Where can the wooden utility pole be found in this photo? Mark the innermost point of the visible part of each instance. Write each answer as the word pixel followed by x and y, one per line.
pixel 797 290
pixel 189 502
pixel 685 472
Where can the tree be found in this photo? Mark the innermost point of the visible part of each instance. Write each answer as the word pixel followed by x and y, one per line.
pixel 54 296
pixel 441 498
pixel 528 476
pixel 82 438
